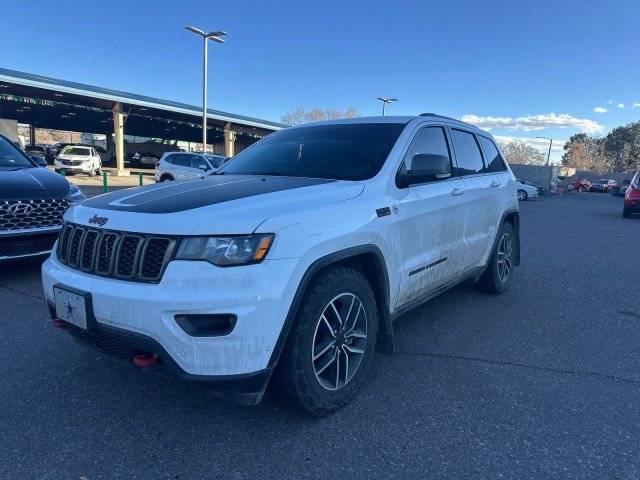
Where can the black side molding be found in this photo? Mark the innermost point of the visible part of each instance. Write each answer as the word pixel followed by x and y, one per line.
pixel 432 264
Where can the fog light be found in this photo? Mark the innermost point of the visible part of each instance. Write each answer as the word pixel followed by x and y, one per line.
pixel 206 325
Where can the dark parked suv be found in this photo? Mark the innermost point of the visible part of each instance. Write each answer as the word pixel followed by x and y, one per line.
pixel 32 202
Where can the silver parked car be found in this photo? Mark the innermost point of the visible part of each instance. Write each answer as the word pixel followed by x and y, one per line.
pixel 187 166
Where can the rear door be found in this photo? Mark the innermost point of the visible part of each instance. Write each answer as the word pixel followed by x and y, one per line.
pixel 428 232
pixel 182 166
pixel 198 161
pixel 482 198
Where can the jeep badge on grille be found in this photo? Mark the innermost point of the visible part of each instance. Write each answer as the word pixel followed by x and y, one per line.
pixel 98 220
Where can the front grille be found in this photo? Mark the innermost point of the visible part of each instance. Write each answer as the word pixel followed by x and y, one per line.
pixel 16 246
pixel 123 255
pixel 36 213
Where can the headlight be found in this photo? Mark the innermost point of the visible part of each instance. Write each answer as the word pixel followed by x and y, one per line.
pixel 75 195
pixel 226 251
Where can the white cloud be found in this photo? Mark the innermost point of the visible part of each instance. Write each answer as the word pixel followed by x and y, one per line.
pixel 635 105
pixel 535 122
pixel 541 144
pixel 620 105
pixel 600 110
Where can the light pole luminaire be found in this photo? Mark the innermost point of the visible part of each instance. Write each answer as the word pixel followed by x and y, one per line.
pixel 216 37
pixel 549 152
pixel 386 100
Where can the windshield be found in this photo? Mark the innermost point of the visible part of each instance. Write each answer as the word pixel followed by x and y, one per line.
pixel 75 151
pixel 11 157
pixel 354 151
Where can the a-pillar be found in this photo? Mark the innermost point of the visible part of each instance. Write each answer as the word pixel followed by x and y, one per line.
pixel 118 129
pixel 229 141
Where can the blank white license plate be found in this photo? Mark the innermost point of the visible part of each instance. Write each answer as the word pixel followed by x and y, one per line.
pixel 70 307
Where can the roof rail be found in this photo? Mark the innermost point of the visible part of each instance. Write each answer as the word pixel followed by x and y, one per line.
pixel 438 116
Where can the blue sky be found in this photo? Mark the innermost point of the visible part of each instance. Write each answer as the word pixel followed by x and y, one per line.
pixel 505 65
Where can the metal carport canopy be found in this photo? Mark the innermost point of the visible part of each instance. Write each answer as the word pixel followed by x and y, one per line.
pixel 59 104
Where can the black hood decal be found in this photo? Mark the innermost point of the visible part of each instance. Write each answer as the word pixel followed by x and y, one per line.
pixel 170 197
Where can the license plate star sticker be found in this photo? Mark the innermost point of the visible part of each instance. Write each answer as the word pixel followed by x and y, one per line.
pixel 69 309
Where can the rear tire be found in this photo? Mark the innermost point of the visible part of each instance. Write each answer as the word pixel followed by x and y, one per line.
pixel 626 212
pixel 497 276
pixel 325 360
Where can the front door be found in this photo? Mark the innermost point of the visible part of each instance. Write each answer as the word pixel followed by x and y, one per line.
pixel 429 230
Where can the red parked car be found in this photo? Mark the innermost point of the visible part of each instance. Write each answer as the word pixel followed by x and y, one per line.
pixel 632 197
pixel 581 185
pixel 603 185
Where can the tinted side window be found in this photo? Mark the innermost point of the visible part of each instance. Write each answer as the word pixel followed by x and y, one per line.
pixel 181 160
pixel 467 152
pixel 494 160
pixel 429 140
pixel 197 160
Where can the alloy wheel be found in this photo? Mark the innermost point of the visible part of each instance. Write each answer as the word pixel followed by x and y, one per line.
pixel 339 341
pixel 505 250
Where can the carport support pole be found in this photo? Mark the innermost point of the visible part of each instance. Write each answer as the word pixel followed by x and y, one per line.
pixel 32 135
pixel 140 179
pixel 204 98
pixel 105 182
pixel 118 130
pixel 229 141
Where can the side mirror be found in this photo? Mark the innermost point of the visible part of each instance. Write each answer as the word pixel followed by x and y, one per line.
pixel 41 162
pixel 426 167
pixel 203 167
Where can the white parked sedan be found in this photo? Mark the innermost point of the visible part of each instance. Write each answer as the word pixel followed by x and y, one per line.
pixel 187 166
pixel 526 191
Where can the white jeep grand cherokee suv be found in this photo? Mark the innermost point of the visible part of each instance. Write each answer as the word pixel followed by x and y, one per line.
pixel 290 264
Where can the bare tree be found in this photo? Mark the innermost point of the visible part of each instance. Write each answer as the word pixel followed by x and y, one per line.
pixel 300 115
pixel 586 153
pixel 522 153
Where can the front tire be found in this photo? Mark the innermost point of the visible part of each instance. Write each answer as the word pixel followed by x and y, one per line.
pixel 497 276
pixel 166 178
pixel 522 195
pixel 331 347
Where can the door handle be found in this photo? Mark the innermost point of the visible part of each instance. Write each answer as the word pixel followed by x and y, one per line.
pixel 457 191
pixel 495 183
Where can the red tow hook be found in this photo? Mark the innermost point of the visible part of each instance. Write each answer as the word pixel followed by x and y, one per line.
pixel 145 360
pixel 59 323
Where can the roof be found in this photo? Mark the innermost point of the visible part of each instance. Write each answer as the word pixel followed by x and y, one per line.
pixel 399 119
pixel 101 93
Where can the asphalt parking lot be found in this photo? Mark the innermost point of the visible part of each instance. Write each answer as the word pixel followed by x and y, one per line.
pixel 541 382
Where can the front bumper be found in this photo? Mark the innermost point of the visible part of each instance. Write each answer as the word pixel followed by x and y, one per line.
pixel 123 345
pixel 84 167
pixel 259 295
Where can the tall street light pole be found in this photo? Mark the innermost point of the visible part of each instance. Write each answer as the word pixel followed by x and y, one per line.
pixel 216 37
pixel 550 144
pixel 384 101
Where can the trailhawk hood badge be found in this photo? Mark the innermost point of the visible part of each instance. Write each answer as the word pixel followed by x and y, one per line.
pixel 98 220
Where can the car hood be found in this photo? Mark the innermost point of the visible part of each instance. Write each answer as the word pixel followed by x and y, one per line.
pixel 218 204
pixel 32 183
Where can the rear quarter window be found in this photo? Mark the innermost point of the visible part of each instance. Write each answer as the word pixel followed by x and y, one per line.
pixel 493 159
